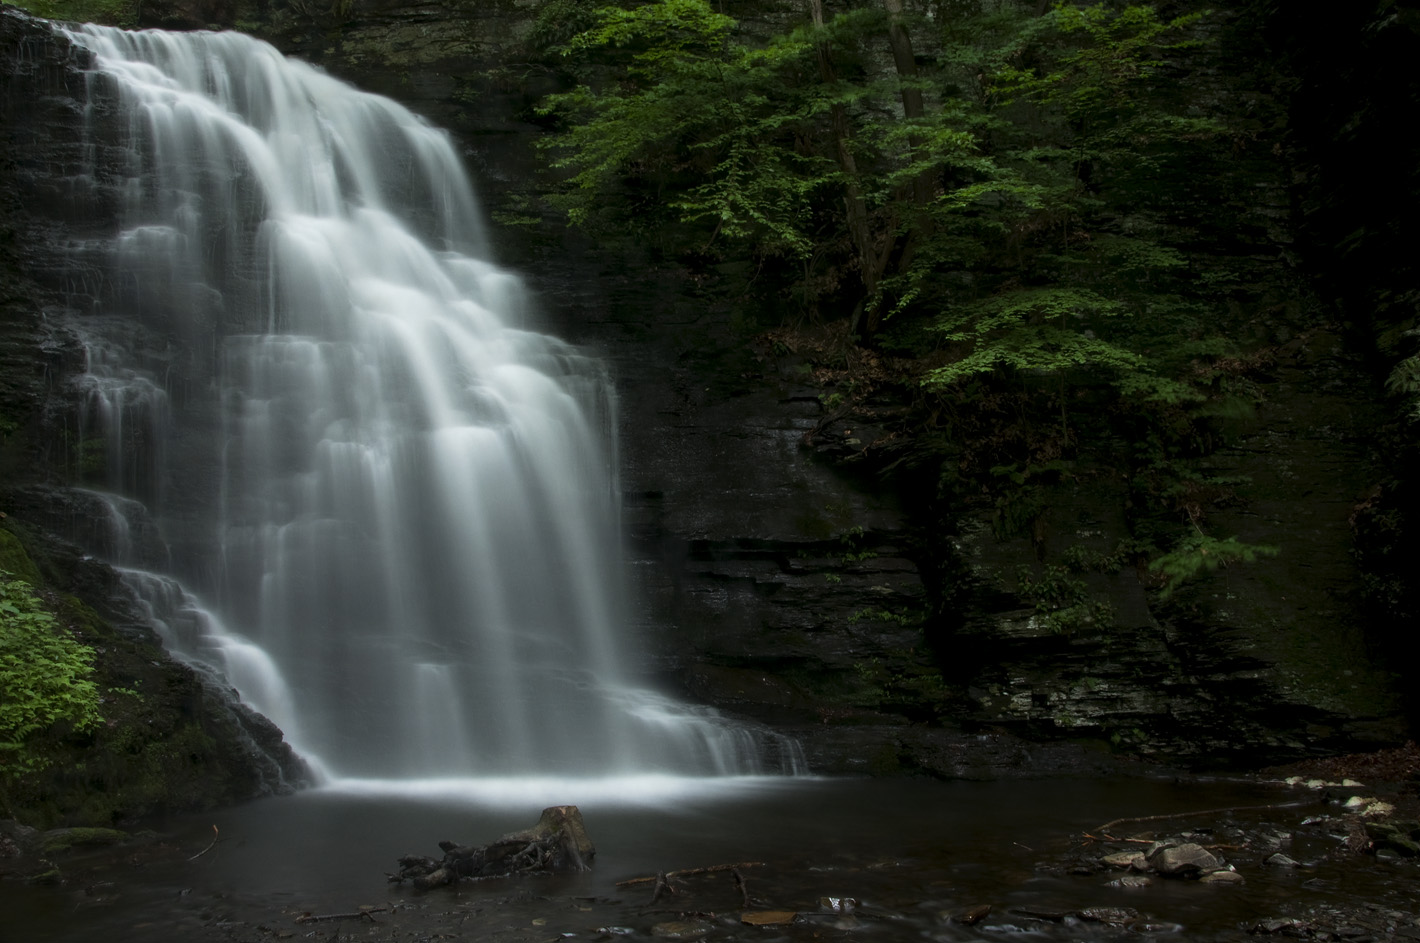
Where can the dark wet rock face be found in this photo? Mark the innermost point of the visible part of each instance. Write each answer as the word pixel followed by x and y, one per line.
pixel 181 740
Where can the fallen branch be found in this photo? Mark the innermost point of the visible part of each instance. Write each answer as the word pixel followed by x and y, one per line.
pixel 208 848
pixel 688 871
pixel 1188 815
pixel 353 915
pixel 741 885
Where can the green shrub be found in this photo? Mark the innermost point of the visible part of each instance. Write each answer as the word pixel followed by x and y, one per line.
pixel 45 679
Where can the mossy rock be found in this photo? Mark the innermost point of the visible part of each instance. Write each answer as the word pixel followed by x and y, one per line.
pixel 15 560
pixel 64 839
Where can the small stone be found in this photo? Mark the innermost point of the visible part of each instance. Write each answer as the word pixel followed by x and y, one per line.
pixel 1288 926
pixel 1280 860
pixel 768 918
pixel 973 915
pixel 1114 916
pixel 1222 877
pixel 680 930
pixel 1126 859
pixel 1131 881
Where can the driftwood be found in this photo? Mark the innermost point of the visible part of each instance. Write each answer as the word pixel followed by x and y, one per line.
pixel 558 842
pixel 1104 829
pixel 684 872
pixel 367 913
pixel 208 848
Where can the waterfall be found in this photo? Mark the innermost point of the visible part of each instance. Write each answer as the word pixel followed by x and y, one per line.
pixel 390 506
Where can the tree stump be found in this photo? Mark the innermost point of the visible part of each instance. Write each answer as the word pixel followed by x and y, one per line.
pixel 558 842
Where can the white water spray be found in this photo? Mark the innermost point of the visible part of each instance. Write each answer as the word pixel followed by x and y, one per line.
pixel 401 499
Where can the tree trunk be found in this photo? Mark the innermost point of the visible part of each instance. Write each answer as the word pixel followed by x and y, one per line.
pixel 854 203
pixel 912 107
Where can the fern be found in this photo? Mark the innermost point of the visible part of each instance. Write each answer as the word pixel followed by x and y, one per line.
pixel 1199 554
pixel 45 678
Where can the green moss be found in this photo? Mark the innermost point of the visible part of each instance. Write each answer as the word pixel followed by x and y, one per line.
pixel 111 12
pixel 66 838
pixel 15 560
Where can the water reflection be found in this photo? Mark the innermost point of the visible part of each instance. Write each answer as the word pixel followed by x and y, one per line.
pixel 913 854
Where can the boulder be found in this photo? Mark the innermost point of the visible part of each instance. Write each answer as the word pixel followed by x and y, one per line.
pixel 1126 859
pixel 1183 860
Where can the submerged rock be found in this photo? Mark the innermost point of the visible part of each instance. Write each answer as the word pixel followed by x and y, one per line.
pixel 1222 877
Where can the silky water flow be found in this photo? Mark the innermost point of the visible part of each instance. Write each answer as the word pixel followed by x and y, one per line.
pixel 388 508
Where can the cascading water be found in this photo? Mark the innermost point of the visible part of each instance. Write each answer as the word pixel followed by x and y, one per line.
pixel 398 501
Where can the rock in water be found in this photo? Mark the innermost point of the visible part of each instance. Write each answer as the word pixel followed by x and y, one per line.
pixel 1184 860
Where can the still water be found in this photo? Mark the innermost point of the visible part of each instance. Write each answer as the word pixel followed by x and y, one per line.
pixel 911 853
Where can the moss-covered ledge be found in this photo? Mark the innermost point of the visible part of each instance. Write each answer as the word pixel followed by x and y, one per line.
pixel 164 739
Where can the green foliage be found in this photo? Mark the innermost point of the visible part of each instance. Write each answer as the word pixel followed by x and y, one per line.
pixel 1199 554
pixel 1040 330
pixel 1404 381
pixel 696 107
pixel 904 619
pixel 1037 226
pixel 109 12
pixel 557 22
pixel 908 684
pixel 1061 599
pixel 45 678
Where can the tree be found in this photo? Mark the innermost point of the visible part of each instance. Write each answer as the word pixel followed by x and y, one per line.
pixel 1006 207
pixel 781 145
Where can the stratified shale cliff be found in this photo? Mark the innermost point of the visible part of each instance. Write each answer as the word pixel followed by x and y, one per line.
pixel 172 738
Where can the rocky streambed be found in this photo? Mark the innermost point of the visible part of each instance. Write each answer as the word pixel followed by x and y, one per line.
pixel 1064 858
